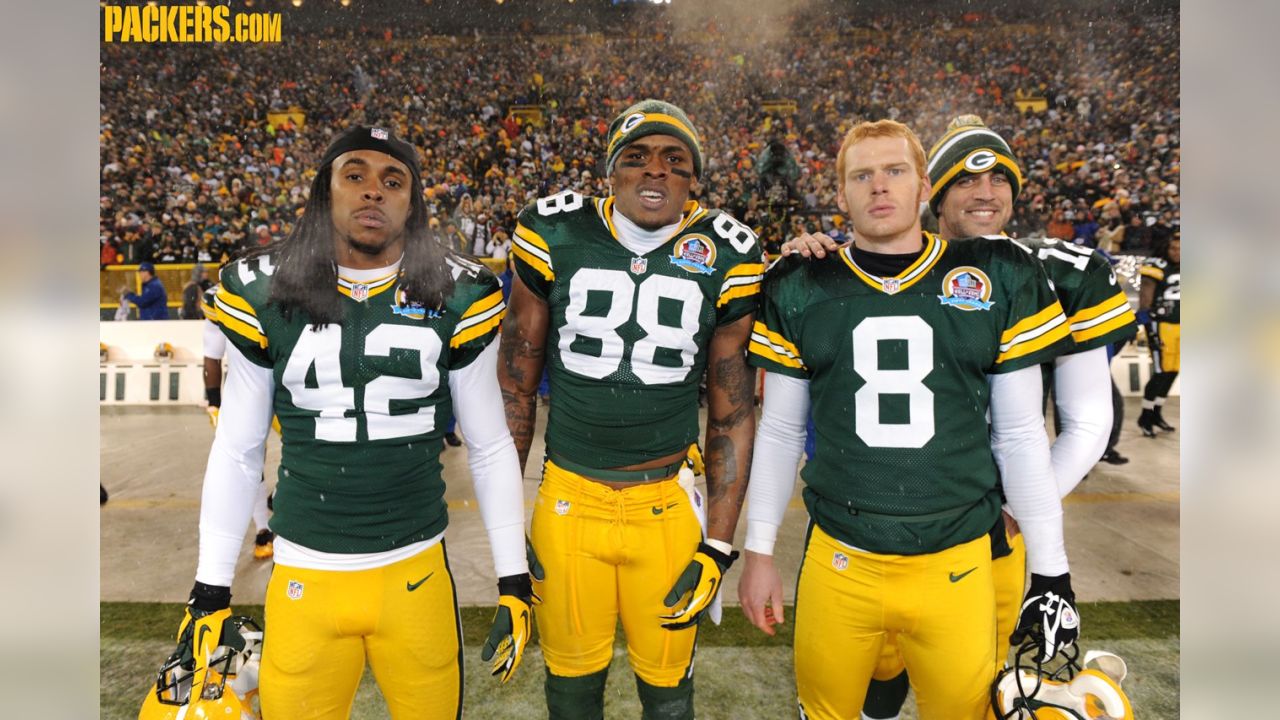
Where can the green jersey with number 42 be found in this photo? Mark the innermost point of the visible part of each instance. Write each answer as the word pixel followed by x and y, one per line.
pixel 629 333
pixel 897 370
pixel 362 405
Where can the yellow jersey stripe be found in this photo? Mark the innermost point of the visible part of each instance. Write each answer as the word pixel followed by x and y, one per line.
pixel 773 338
pixel 1123 319
pixel 483 304
pixel 241 328
pixel 478 330
pixel 1029 324
pixel 1152 272
pixel 606 213
pixel 745 269
pixel 226 297
pixel 1044 340
pixel 766 352
pixel 1103 307
pixel 737 292
pixel 532 260
pixel 532 238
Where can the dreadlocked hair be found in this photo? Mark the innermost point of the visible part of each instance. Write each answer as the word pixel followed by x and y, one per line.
pixel 306 276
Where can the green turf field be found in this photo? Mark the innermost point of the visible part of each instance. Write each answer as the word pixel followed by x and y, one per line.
pixel 742 674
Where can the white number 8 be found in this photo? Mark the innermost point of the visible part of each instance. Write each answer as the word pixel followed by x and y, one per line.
pixel 909 381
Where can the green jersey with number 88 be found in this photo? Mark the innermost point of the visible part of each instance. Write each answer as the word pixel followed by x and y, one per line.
pixel 362 405
pixel 629 333
pixel 897 370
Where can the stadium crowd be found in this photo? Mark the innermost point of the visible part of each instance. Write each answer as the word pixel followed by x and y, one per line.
pixel 193 170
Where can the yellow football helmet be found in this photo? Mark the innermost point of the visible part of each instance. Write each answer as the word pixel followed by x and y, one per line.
pixel 164 351
pixel 222 685
pixel 1072 692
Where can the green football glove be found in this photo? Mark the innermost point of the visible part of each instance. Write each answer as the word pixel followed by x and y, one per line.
pixel 701 581
pixel 512 625
pixel 535 567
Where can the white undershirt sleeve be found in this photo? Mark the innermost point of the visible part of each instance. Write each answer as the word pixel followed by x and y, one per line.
pixel 491 454
pixel 776 458
pixel 1021 449
pixel 234 471
pixel 1082 392
pixel 215 343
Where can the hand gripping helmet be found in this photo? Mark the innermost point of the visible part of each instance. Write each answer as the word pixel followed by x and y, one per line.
pixel 1029 690
pixel 220 687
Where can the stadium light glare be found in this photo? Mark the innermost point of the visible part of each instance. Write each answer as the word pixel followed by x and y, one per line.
pixel 297 3
pixel 345 3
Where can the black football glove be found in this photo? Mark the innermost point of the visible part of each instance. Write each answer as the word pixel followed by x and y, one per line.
pixel 701 581
pixel 1048 615
pixel 512 625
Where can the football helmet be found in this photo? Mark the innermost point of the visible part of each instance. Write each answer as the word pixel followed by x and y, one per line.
pixel 1088 691
pixel 164 351
pixel 221 683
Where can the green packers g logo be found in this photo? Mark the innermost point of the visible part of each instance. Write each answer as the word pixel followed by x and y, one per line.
pixel 980 161
pixel 631 122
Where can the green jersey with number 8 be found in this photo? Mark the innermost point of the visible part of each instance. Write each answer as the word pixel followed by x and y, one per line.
pixel 629 333
pixel 362 405
pixel 897 370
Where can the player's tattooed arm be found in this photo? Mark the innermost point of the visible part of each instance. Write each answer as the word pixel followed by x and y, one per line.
pixel 521 356
pixel 731 424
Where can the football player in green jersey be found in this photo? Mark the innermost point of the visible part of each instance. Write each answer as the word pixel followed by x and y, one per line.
pixel 1160 303
pixel 627 300
pixel 362 335
pixel 903 488
pixel 975 181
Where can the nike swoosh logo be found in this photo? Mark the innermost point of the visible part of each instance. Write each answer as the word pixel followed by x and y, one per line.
pixel 958 578
pixel 414 586
pixel 200 638
pixel 658 510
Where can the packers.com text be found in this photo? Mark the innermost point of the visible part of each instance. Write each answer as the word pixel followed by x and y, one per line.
pixel 187 23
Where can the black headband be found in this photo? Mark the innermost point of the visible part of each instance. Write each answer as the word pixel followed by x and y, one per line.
pixel 365 137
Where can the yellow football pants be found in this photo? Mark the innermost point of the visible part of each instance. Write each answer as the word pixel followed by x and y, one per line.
pixel 324 624
pixel 1166 358
pixel 940 606
pixel 611 554
pixel 1010 574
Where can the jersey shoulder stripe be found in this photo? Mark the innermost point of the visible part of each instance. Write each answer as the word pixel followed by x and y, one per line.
pixel 1108 315
pixel 530 248
pixel 235 313
pixel 772 346
pixel 481 317
pixel 1033 333
pixel 741 281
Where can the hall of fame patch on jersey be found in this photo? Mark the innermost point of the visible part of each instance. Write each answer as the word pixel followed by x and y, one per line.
pixel 966 288
pixel 695 254
pixel 411 310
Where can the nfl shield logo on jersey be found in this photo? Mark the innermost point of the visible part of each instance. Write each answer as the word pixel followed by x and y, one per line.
pixel 359 292
pixel 840 561
pixel 379 133
pixel 562 507
pixel 295 590
pixel 891 285
pixel 639 265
